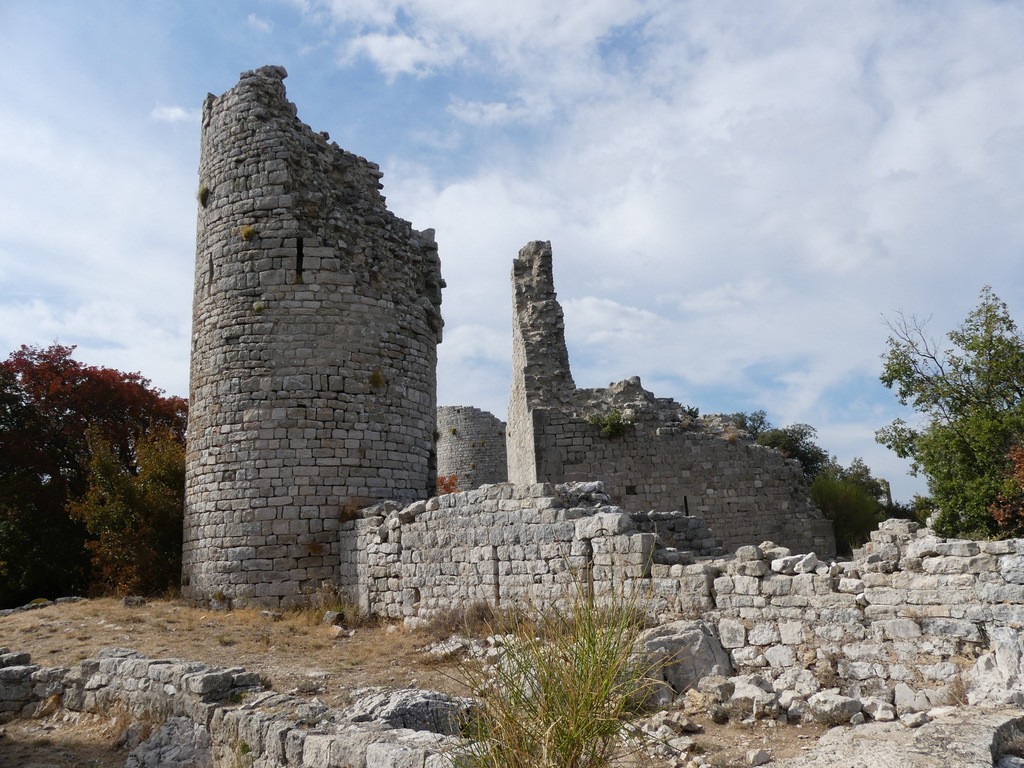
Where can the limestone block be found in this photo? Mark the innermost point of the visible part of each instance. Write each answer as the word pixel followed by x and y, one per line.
pixel 899 629
pixel 831 708
pixel 732 633
pixel 749 553
pixel 851 586
pixel 801 681
pixel 879 709
pixel 604 524
pixel 746 585
pixel 776 585
pixel 976 564
pixel 791 632
pixel 749 656
pixel 1011 568
pixel 763 634
pixel 723 585
pixel 750 700
pixel 685 651
pixel 780 656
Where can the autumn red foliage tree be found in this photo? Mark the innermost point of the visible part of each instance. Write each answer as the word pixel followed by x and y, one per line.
pixel 50 404
pixel 447 484
pixel 1008 509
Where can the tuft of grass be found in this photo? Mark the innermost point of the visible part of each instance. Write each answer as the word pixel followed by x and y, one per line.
pixel 330 597
pixel 475 619
pixel 564 693
pixel 247 232
pixel 203 195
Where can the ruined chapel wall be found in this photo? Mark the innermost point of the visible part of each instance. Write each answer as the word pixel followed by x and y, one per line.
pixel 471 446
pixel 316 318
pixel 667 460
pixel 744 492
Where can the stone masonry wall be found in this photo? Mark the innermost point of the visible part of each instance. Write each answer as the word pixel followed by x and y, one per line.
pixel 206 716
pixel 316 319
pixel 912 614
pixel 743 491
pixel 657 455
pixel 471 446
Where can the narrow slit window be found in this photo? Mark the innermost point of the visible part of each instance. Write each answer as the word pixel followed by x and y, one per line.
pixel 298 259
pixel 686 506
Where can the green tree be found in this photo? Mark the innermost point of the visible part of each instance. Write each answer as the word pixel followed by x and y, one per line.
pixel 753 423
pixel 134 514
pixel 850 504
pixel 970 397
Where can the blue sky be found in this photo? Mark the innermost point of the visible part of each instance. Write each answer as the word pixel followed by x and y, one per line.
pixel 736 193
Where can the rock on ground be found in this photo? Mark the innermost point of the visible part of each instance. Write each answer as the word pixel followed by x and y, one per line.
pixel 964 738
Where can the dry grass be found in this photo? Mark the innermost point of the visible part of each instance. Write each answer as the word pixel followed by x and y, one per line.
pixel 290 651
pixel 296 653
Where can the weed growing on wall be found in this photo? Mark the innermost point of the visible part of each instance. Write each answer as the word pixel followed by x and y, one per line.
pixel 611 424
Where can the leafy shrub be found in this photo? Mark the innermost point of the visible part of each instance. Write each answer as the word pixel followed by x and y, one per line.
pixel 611 424
pixel 852 510
pixel 970 406
pixel 49 402
pixel 447 484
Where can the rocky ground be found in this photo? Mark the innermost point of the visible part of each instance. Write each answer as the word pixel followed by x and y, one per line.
pixel 296 653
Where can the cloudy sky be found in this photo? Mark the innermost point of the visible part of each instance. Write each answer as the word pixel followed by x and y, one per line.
pixel 737 193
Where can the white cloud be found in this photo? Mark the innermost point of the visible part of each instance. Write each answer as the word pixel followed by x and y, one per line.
pixel 259 23
pixel 499 112
pixel 174 114
pixel 400 54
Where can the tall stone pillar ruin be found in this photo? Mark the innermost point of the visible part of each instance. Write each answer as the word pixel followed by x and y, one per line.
pixel 316 319
pixel 541 377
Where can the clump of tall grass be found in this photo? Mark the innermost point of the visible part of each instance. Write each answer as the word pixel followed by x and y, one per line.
pixel 564 692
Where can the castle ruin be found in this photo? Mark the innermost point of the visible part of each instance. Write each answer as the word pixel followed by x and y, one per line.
pixel 316 319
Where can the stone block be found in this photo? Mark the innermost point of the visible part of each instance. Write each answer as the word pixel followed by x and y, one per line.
pixel 732 633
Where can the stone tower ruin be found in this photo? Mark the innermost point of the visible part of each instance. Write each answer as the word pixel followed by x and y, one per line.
pixel 316 319
pixel 651 452
pixel 470 446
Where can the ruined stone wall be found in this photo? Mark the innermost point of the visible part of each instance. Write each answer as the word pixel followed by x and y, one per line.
pixel 502 544
pixel 658 455
pixel 471 446
pixel 205 716
pixel 316 318
pixel 743 491
pixel 912 615
pixel 541 376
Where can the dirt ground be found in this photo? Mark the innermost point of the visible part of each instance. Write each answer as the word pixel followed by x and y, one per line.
pixel 295 651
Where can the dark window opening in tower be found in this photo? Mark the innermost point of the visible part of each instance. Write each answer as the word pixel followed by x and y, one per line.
pixel 298 259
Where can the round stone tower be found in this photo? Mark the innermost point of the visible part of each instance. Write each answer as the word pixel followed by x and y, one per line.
pixel 471 446
pixel 316 319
